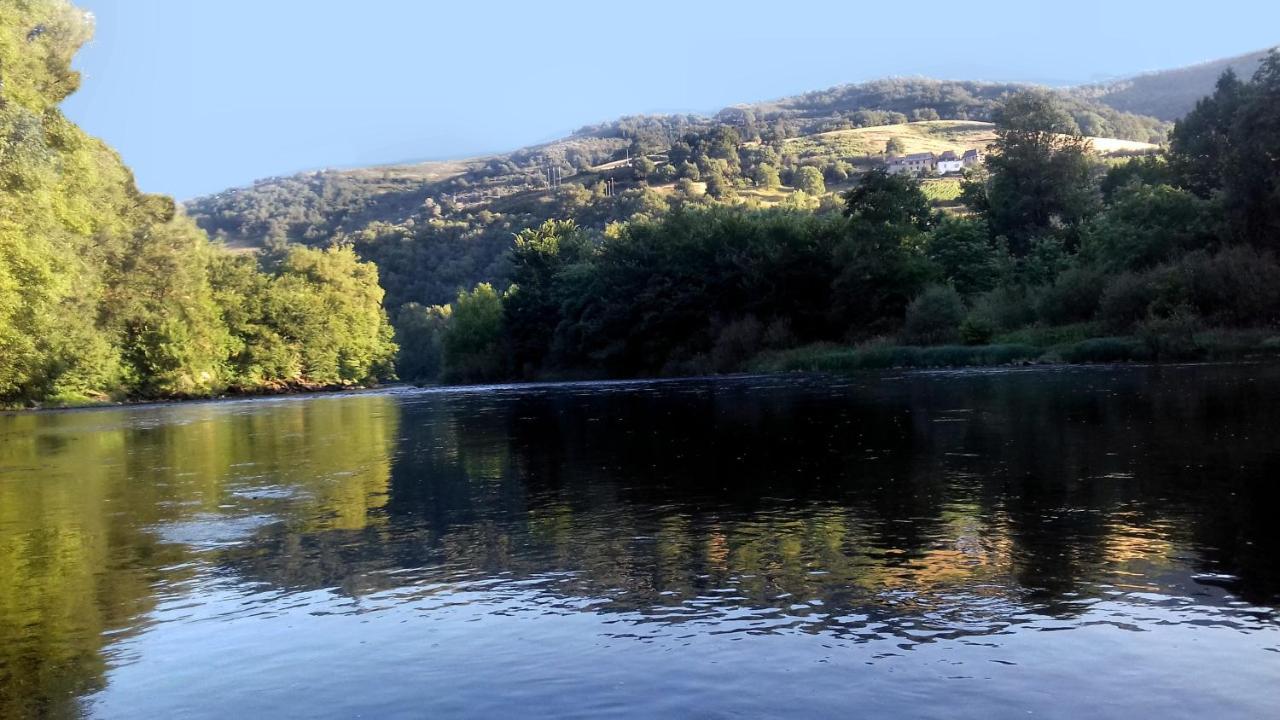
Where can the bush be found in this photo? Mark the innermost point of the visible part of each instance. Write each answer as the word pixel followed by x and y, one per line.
pixel 1126 301
pixel 1172 337
pixel 1005 308
pixel 976 330
pixel 1237 286
pixel 737 343
pixel 1073 297
pixel 934 317
pixel 778 335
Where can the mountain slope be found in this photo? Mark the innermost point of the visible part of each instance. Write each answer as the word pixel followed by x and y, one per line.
pixel 1170 94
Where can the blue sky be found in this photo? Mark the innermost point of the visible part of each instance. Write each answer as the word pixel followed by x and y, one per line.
pixel 201 95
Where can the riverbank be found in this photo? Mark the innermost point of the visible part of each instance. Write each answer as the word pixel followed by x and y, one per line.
pixel 1027 348
pixel 277 389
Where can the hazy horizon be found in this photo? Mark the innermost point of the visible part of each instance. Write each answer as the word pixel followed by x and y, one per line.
pixel 315 85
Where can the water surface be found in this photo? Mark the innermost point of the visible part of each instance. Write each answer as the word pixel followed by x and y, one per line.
pixel 1057 543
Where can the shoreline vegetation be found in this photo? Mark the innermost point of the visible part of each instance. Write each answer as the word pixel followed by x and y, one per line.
pixel 109 293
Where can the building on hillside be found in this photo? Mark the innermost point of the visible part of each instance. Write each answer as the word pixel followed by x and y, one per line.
pixel 914 164
pixel 949 162
pixel 971 158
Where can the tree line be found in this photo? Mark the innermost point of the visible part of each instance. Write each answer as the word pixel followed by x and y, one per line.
pixel 1056 243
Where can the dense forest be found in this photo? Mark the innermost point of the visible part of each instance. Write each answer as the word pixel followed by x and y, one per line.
pixel 106 292
pixel 1056 253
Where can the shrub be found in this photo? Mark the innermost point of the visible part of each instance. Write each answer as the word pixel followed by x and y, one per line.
pixel 737 343
pixel 1172 337
pixel 934 317
pixel 1005 308
pixel 1126 301
pixel 1073 297
pixel 778 334
pixel 1237 286
pixel 976 330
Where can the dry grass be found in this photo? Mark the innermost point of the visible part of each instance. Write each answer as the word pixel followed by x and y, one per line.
pixel 934 136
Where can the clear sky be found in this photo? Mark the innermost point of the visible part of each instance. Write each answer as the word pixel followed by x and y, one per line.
pixel 201 95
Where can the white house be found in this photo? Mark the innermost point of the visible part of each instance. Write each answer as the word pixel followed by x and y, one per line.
pixel 949 162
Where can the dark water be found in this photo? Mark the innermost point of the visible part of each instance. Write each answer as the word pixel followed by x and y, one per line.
pixel 1045 543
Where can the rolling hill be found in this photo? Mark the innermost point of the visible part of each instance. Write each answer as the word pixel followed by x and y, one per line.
pixel 1170 94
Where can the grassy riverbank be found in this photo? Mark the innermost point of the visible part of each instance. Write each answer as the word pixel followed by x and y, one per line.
pixel 1037 347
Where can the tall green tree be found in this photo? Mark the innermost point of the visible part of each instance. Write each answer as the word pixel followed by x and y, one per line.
pixel 474 341
pixel 532 306
pixel 1040 175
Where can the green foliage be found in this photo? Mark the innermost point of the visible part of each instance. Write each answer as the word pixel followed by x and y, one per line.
pixel 106 291
pixel 963 251
pixel 767 177
pixel 809 180
pixel 473 340
pixel 532 307
pixel 977 330
pixel 1040 173
pixel 1228 145
pixel 1144 226
pixel 420 336
pixel 1074 296
pixel 884 199
pixel 934 317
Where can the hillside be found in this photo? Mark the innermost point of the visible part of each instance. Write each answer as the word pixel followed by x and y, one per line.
pixel 1170 94
pixel 439 226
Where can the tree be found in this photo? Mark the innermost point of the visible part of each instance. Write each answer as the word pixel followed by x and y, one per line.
pixel 934 316
pixel 965 256
pixel 1146 225
pixel 1228 145
pixel 420 336
pixel 1251 196
pixel 1040 175
pixel 882 198
pixel 643 167
pixel 720 188
pixel 808 179
pixel 894 147
pixel 1199 143
pixel 767 177
pixel 473 339
pixel 532 306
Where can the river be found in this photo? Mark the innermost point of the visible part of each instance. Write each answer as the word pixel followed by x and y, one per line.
pixel 1047 542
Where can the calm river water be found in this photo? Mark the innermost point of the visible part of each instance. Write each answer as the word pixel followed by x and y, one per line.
pixel 1053 543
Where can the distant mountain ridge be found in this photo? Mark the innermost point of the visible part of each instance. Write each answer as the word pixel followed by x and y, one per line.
pixel 1170 94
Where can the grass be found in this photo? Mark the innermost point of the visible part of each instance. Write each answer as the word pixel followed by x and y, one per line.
pixel 941 190
pixel 930 136
pixel 830 358
pixel 933 136
pixel 1035 345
